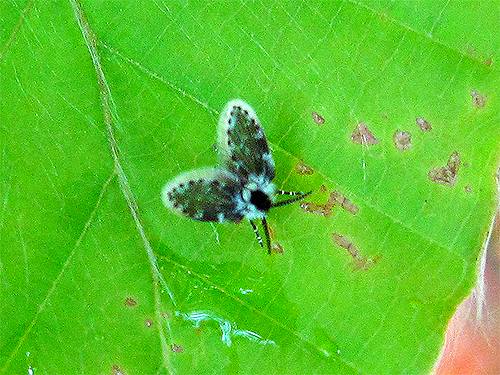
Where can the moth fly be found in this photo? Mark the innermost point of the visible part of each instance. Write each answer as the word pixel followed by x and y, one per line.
pixel 241 186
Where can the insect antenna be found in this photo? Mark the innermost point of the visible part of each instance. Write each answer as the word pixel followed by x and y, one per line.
pixel 298 196
pixel 266 233
pixel 256 231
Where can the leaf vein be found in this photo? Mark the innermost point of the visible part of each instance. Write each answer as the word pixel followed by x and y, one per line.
pixel 110 119
pixel 427 36
pixel 17 27
pixel 56 281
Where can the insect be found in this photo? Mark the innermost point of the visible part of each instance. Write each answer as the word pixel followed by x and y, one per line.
pixel 241 186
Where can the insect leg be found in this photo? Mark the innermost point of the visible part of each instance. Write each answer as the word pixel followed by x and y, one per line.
pixel 256 231
pixel 298 197
pixel 293 193
pixel 266 232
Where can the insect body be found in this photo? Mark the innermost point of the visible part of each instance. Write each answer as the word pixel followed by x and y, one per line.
pixel 241 186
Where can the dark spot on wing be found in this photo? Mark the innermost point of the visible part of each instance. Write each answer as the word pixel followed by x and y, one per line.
pixel 263 144
pixel 209 216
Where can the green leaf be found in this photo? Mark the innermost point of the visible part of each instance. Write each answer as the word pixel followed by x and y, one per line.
pixel 103 102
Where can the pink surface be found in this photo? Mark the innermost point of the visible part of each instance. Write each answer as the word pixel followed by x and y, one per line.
pixel 472 342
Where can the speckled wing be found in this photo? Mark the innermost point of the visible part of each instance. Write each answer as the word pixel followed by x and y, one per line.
pixel 243 144
pixel 210 194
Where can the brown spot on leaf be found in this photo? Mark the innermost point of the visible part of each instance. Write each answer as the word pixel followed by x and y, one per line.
pixel 468 189
pixel 362 135
pixel 317 209
pixel 424 125
pixel 116 370
pixel 130 302
pixel 148 323
pixel 447 175
pixel 488 61
pixel 176 348
pixel 277 248
pixel 325 209
pixel 303 169
pixel 338 198
pixel 317 118
pixel 360 262
pixel 478 100
pixel 402 140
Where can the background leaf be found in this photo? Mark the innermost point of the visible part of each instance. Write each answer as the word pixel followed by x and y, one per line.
pixel 103 102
